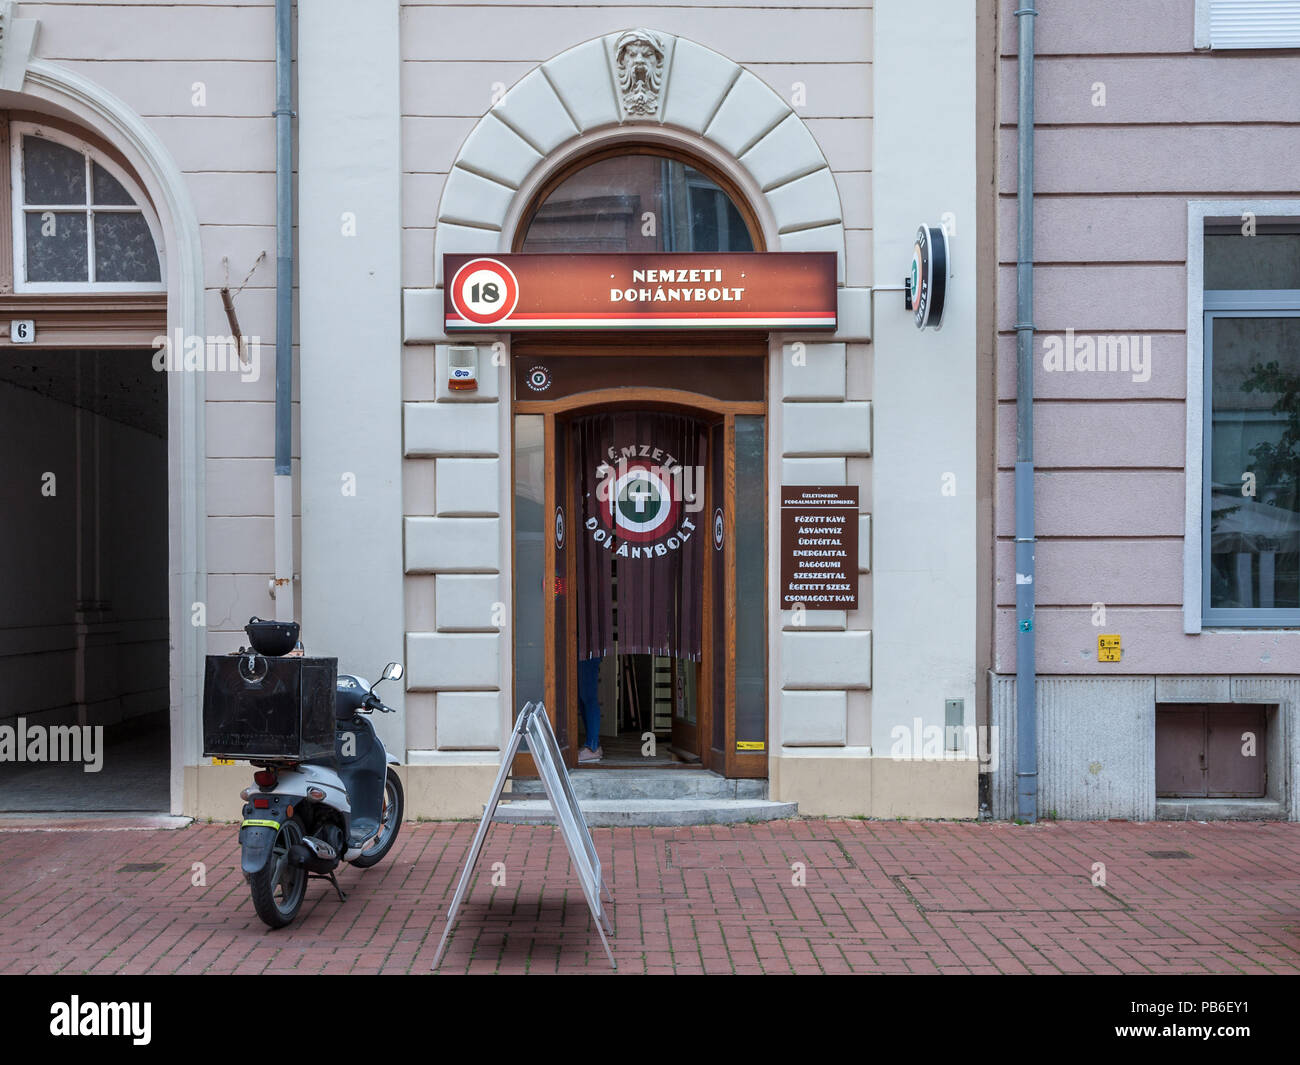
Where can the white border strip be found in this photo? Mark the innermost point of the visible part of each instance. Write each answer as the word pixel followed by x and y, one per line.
pixel 461 326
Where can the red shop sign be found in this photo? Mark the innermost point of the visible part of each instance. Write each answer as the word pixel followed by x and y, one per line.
pixel 660 290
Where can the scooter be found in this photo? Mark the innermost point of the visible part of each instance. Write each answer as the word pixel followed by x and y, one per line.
pixel 302 819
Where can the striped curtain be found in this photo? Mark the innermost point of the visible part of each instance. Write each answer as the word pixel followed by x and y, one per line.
pixel 641 533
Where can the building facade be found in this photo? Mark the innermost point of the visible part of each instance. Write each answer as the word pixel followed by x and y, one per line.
pixel 429 130
pixel 451 528
pixel 1166 244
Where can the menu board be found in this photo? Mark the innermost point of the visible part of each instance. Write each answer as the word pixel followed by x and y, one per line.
pixel 819 547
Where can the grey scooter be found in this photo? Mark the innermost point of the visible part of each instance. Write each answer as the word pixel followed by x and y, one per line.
pixel 301 819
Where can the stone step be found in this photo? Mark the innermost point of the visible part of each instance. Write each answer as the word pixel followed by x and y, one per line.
pixel 650 812
pixel 649 784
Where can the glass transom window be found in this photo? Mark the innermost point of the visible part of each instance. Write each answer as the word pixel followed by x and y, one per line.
pixel 78 220
pixel 637 202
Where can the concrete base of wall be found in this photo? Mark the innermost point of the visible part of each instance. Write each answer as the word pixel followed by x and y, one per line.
pixel 830 785
pixel 442 792
pixel 833 783
pixel 212 791
pixel 1096 742
pixel 447 791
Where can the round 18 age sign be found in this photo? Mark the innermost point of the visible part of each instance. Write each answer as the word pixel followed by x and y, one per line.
pixel 484 291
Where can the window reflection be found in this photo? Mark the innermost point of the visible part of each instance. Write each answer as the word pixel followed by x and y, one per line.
pixel 637 203
pixel 80 225
pixel 1255 463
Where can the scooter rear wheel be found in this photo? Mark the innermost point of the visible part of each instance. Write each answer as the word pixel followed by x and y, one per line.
pixel 279 887
pixel 390 821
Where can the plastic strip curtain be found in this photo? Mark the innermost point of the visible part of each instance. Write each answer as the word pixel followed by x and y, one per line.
pixel 641 488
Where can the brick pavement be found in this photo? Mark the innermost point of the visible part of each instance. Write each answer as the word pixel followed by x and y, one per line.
pixel 880 897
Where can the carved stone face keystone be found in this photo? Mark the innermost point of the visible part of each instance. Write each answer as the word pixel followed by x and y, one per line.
pixel 639 55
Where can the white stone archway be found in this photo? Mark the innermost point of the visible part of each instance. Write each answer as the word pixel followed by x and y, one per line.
pixel 706 104
pixel 575 104
pixel 102 112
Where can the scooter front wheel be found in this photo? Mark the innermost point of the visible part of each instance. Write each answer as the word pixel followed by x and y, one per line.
pixel 280 886
pixel 390 820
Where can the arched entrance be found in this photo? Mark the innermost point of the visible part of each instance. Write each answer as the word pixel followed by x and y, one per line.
pixel 58 96
pixel 744 163
pixel 645 646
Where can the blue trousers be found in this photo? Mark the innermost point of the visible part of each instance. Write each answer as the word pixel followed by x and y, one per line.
pixel 589 699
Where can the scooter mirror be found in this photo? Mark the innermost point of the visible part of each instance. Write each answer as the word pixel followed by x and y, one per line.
pixel 393 671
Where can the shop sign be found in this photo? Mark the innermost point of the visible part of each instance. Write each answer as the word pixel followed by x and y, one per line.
pixel 641 501
pixel 819 547
pixel 662 290
pixel 927 283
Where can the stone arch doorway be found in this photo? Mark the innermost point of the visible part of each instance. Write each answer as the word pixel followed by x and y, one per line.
pixel 578 103
pixel 646 93
pixel 46 88
pixel 705 108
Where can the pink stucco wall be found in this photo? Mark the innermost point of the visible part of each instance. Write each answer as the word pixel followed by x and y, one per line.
pixel 1112 186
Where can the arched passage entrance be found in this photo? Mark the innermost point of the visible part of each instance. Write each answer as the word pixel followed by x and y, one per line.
pixel 49 89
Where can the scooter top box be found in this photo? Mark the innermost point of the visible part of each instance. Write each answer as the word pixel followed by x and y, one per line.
pixel 264 708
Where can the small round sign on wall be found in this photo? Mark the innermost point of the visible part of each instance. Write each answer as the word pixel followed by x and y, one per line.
pixel 929 276
pixel 484 291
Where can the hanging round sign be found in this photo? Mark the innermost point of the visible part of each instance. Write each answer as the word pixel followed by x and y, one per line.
pixel 929 276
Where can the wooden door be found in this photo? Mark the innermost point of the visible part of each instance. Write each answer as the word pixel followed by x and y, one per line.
pixel 1211 752
pixel 549 646
pixel 1235 753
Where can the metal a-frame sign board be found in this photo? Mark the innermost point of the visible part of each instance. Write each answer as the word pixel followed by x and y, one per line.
pixel 534 726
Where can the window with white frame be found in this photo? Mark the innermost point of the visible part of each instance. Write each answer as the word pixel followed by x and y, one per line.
pixel 1226 25
pixel 80 223
pixel 1251 447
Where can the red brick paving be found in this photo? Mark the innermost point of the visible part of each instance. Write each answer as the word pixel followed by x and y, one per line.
pixel 880 897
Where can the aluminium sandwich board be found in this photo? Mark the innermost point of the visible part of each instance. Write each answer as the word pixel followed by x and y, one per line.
pixel 535 726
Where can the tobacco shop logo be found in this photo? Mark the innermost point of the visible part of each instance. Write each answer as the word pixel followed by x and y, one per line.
pixel 640 503
pixel 539 379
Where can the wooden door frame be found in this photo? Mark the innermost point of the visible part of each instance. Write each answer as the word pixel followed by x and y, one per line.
pixel 743 764
pixel 694 404
pixel 523 764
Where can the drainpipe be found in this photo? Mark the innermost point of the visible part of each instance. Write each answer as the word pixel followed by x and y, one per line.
pixel 1026 681
pixel 283 589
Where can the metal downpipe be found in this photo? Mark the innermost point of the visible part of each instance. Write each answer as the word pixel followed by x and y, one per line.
pixel 1026 677
pixel 284 591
